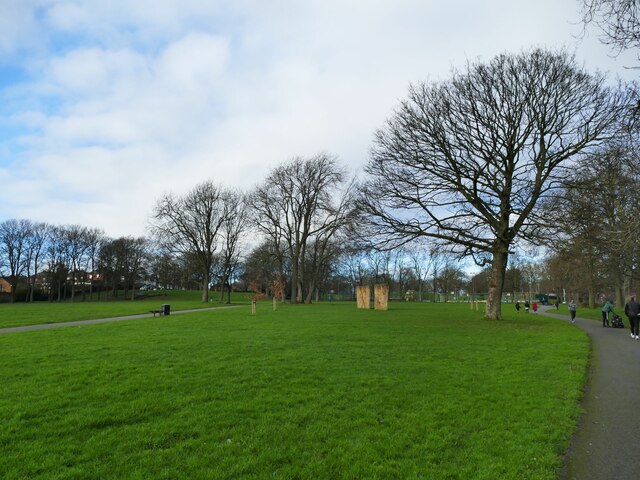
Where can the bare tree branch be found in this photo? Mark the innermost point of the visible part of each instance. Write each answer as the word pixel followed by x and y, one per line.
pixel 467 161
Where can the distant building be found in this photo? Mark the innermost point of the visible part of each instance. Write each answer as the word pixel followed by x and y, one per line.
pixel 5 287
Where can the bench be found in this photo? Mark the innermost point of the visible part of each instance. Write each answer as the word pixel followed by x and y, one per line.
pixel 156 312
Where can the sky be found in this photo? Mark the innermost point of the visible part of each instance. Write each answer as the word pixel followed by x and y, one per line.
pixel 105 105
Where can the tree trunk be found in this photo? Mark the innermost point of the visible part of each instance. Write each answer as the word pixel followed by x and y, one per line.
pixel 619 295
pixel 496 284
pixel 312 288
pixel 592 296
pixel 435 290
pixel 222 289
pixel 73 286
pixel 14 289
pixel 294 280
pixel 299 299
pixel 205 292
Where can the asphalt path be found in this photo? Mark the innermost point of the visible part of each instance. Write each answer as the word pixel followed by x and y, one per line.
pixel 605 444
pixel 45 326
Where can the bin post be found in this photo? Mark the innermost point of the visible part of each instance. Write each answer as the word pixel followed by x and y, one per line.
pixel 166 309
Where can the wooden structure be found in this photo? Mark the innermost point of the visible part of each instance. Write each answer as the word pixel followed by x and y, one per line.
pixel 363 295
pixel 381 292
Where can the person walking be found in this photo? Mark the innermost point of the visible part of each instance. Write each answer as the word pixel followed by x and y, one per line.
pixel 632 310
pixel 526 306
pixel 535 307
pixel 517 307
pixel 572 310
pixel 606 309
pixel 557 304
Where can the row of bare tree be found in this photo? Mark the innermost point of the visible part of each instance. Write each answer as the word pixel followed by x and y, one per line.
pixel 63 258
pixel 301 209
pixel 467 164
pixel 597 237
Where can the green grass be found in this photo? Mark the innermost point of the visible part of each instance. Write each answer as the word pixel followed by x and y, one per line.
pixel 591 313
pixel 18 314
pixel 310 392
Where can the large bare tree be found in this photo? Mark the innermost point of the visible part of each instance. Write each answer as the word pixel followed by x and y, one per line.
pixel 35 252
pixel 301 203
pixel 601 208
pixel 617 20
pixel 190 225
pixel 76 245
pixel 94 238
pixel 122 261
pixel 467 160
pixel 57 263
pixel 233 228
pixel 14 235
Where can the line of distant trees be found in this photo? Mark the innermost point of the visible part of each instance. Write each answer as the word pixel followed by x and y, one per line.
pixel 592 254
pixel 525 150
pixel 42 261
pixel 197 240
pixel 74 263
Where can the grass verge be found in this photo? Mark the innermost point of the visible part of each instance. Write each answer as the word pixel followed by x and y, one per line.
pixel 322 391
pixel 19 314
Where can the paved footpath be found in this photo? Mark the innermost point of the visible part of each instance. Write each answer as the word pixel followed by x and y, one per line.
pixel 45 326
pixel 605 445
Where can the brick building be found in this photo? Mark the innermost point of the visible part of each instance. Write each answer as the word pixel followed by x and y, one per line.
pixel 5 287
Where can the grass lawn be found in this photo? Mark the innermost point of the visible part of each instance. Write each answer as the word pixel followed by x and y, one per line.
pixel 592 313
pixel 313 392
pixel 18 314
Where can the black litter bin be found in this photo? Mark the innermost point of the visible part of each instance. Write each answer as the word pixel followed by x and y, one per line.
pixel 166 309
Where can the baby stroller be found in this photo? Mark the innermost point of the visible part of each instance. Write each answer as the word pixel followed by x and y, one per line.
pixel 617 322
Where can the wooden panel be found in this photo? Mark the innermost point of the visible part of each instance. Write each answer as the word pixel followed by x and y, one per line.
pixel 363 295
pixel 381 292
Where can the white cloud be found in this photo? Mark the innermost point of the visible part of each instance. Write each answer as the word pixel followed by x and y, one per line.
pixel 94 72
pixel 132 99
pixel 17 24
pixel 193 64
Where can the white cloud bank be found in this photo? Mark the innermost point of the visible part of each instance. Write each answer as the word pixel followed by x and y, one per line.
pixel 120 101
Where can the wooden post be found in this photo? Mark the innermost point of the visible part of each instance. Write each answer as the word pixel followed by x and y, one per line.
pixel 275 304
pixel 381 296
pixel 253 307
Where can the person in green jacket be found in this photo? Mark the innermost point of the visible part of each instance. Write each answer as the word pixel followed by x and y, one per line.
pixel 606 308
